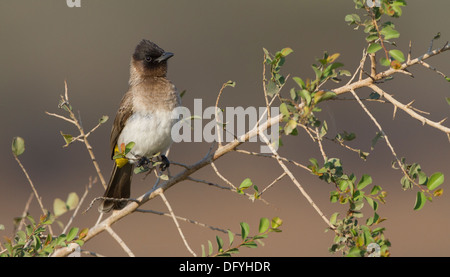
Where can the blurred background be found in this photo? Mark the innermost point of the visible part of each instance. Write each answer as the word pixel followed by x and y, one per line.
pixel 43 43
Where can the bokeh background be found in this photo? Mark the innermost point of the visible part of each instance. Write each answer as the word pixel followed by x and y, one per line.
pixel 43 43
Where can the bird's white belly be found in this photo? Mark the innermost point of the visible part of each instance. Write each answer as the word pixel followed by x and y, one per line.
pixel 151 133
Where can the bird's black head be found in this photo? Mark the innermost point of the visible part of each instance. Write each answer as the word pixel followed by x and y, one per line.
pixel 151 57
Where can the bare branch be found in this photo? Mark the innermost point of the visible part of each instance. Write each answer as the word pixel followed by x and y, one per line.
pixel 409 111
pixel 299 186
pixel 83 136
pixel 222 177
pixel 195 222
pixel 34 191
pixel 88 187
pixel 120 241
pixel 176 223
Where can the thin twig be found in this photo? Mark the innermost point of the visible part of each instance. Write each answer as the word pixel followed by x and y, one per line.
pixel 273 182
pixel 319 141
pixel 273 157
pixel 61 117
pixel 25 211
pixel 176 224
pixel 299 186
pixel 120 241
pixel 74 120
pixel 195 222
pixel 88 187
pixel 264 86
pixel 222 177
pixel 381 130
pixel 34 191
pixel 250 196
pixel 409 111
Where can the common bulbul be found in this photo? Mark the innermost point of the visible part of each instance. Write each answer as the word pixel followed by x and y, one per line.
pixel 144 117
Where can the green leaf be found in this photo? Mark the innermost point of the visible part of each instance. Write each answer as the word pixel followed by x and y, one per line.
pixel 264 224
pixel 103 119
pixel 376 138
pixel 375 190
pixel 290 126
pixel 305 95
pixel 244 230
pixel 79 242
pixel 355 252
pixel 372 38
pixel 128 147
pixel 299 82
pixel 246 184
pixel 230 237
pixel 448 98
pixel 385 62
pixel 219 243
pixel 286 51
pixel 284 110
pixel 203 251
pixel 317 71
pixel 272 88
pixel 373 47
pixel 398 55
pixel 437 36
pixel 60 240
pixel 372 203
pixel 59 207
pixel 230 84
pixel 352 19
pixel 210 248
pixel 333 218
pixel 72 233
pixel 250 244
pixel 319 97
pixel 420 201
pixel 365 181
pixel 331 67
pixel 345 72
pixel 389 33
pixel 233 251
pixel 72 200
pixel 435 180
pixel 276 222
pixel 293 94
pixel 67 138
pixel 18 146
pixel 83 233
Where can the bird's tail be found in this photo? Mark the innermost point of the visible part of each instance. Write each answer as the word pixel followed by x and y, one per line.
pixel 118 187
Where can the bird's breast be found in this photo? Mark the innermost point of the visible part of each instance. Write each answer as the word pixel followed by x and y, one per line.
pixel 151 132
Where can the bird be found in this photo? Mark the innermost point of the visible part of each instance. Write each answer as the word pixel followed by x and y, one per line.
pixel 144 117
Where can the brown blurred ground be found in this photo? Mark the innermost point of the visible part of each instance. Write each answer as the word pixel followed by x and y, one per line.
pixel 42 43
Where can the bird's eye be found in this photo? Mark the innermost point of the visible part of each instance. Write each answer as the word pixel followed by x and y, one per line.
pixel 148 58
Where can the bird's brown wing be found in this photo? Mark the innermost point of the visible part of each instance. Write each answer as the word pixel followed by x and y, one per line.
pixel 122 116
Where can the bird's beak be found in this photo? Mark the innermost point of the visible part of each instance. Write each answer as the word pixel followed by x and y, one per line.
pixel 164 57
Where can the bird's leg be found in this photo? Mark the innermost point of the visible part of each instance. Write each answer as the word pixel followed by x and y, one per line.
pixel 165 163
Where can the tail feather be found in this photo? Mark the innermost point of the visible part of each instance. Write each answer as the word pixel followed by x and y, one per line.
pixel 118 187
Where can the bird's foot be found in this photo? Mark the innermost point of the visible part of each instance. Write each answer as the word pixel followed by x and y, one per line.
pixel 165 163
pixel 143 161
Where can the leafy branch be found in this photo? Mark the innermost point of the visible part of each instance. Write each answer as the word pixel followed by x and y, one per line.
pixel 265 227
